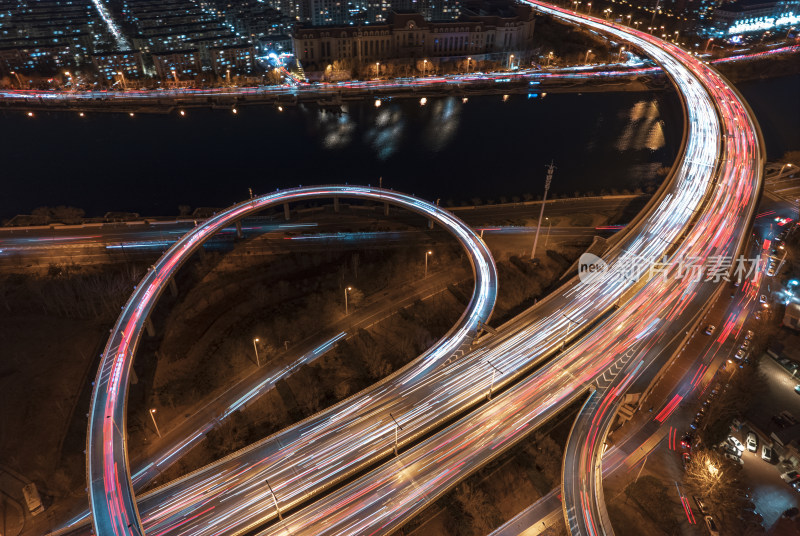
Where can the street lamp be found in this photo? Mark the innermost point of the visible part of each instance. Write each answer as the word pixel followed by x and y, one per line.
pixel 396 426
pixel 511 61
pixel 549 57
pixel 377 69
pixel 255 347
pixel 153 416
pixel 467 68
pixel 424 67
pixel 16 74
pixel 277 508
pixel 345 299
pixel 586 58
pixel 619 56
pixel 426 261
pixel 491 383
pixel 588 8
pixel 121 74
pixel 782 168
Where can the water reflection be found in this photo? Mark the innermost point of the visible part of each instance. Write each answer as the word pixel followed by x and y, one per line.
pixel 442 123
pixel 336 128
pixel 385 131
pixel 644 128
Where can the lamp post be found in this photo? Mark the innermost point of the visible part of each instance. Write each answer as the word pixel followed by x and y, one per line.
pixel 782 168
pixel 153 416
pixel 16 74
pixel 396 426
pixel 429 252
pixel 377 69
pixel 424 67
pixel 255 347
pixel 586 58
pixel 549 58
pixel 588 8
pixel 569 328
pixel 122 79
pixel 491 383
pixel 345 299
pixel 619 56
pixel 511 61
pixel 275 500
pixel 547 181
pixel 547 236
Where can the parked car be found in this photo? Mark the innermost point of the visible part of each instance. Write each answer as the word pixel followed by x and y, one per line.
pixel 752 442
pixel 711 526
pixel 740 353
pixel 686 441
pixel 736 443
pixel 790 476
pixel 710 329
pixel 766 453
pixel 745 344
pixel 763 298
pixel 734 458
pixel 748 335
pixel 686 458
pixel 701 505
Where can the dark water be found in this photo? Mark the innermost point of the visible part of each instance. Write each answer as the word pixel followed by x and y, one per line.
pixel 776 103
pixel 485 148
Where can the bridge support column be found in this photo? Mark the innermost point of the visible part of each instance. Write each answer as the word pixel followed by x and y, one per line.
pixel 173 288
pixel 286 210
pixel 336 204
pixel 386 209
pixel 151 329
pixel 239 233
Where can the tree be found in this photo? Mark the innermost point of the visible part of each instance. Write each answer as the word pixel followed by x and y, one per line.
pixel 715 479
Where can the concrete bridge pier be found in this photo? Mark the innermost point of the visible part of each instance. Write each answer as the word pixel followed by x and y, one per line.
pixel 336 204
pixel 239 233
pixel 173 288
pixel 286 211
pixel 151 329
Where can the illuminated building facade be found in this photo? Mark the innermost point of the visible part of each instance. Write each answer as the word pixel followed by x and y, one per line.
pixel 747 16
pixel 492 33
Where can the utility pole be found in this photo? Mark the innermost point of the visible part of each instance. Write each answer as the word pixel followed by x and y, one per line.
pixel 550 170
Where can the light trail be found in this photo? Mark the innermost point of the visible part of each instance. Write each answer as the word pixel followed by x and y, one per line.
pixel 110 490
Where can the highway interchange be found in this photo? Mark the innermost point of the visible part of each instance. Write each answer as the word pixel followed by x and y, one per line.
pixel 621 319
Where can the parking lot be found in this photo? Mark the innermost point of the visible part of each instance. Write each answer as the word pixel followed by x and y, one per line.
pixel 770 494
